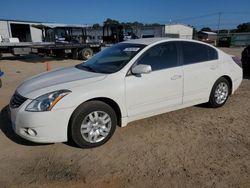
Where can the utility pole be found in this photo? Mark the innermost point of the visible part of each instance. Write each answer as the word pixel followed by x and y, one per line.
pixel 218 28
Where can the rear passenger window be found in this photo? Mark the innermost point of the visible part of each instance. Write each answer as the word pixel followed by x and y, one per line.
pixel 212 53
pixel 161 56
pixel 196 52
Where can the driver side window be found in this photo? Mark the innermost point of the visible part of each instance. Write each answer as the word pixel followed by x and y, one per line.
pixel 161 56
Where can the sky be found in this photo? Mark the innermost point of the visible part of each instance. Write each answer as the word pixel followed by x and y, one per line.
pixel 198 13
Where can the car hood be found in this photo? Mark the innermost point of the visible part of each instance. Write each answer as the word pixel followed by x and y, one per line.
pixel 65 78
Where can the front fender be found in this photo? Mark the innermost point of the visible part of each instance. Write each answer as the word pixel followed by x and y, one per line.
pixel 110 88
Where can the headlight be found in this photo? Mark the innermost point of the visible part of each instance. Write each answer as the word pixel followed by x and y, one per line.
pixel 46 102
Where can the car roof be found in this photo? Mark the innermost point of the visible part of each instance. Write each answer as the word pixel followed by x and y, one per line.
pixel 148 41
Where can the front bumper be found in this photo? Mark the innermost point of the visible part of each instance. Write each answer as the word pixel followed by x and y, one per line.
pixel 41 127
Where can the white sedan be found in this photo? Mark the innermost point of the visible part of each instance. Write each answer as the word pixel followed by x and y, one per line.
pixel 126 82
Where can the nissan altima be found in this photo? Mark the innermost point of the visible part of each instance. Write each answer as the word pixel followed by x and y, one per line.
pixel 129 81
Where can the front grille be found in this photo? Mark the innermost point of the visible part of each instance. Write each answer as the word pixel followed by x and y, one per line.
pixel 17 100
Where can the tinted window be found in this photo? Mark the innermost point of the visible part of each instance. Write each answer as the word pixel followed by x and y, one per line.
pixel 160 56
pixel 212 53
pixel 196 52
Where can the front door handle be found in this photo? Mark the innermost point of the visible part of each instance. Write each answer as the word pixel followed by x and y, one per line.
pixel 175 77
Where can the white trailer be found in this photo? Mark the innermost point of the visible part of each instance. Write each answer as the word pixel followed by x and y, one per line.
pixel 179 31
pixel 22 30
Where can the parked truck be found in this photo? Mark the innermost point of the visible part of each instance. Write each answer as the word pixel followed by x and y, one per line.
pixel 58 40
pixel 114 33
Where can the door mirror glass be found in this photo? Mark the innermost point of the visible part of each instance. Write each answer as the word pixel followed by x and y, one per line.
pixel 141 69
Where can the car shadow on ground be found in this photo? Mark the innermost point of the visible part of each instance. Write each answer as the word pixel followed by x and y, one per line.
pixel 246 76
pixel 6 128
pixel 32 58
pixel 204 105
pixel 71 143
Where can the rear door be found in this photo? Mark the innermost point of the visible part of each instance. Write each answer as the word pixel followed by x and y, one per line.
pixel 200 68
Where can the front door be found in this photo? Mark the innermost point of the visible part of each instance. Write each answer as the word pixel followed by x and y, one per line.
pixel 155 92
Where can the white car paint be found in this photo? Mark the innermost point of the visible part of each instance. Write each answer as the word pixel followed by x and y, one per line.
pixel 147 93
pixel 137 96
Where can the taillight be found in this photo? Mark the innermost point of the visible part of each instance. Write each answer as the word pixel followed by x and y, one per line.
pixel 237 61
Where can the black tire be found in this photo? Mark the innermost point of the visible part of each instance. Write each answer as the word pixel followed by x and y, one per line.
pixel 85 53
pixel 212 100
pixel 81 113
pixel 0 82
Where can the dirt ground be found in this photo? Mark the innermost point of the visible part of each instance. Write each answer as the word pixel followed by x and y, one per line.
pixel 193 147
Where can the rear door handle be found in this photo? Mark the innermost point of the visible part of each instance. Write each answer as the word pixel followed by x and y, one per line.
pixel 175 77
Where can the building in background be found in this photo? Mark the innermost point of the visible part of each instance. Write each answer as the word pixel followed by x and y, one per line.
pixel 151 31
pixel 179 31
pixel 240 39
pixel 168 30
pixel 21 30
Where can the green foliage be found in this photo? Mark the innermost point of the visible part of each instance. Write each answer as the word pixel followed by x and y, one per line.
pixel 110 21
pixel 244 27
pixel 96 26
pixel 194 30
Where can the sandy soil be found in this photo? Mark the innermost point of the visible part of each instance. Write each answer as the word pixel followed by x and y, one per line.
pixel 193 147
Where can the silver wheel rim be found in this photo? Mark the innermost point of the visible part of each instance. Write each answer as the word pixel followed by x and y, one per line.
pixel 96 126
pixel 221 93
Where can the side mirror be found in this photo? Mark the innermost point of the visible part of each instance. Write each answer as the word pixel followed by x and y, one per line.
pixel 141 69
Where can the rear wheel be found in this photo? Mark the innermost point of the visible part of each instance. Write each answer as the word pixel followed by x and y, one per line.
pixel 219 93
pixel 86 53
pixel 93 124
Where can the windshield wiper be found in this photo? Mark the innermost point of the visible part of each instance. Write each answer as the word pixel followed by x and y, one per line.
pixel 89 68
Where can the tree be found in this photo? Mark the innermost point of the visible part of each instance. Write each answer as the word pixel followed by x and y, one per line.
pixel 132 24
pixel 152 24
pixel 244 27
pixel 206 29
pixel 137 24
pixel 110 21
pixel 194 31
pixel 96 26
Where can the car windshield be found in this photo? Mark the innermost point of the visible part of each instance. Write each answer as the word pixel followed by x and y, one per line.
pixel 111 59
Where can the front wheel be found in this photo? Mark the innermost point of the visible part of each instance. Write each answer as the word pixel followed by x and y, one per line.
pixel 93 124
pixel 219 93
